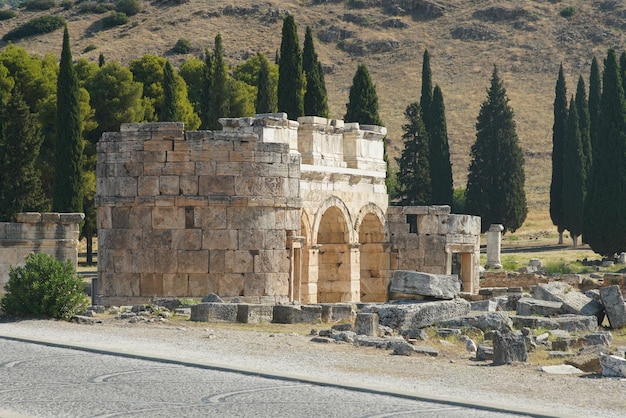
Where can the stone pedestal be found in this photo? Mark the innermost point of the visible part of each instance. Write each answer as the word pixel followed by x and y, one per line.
pixel 494 243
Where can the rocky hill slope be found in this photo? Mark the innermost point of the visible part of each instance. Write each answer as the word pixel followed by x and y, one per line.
pixel 527 40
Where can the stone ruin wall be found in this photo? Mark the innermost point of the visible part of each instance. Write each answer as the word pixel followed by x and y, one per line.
pixel 55 234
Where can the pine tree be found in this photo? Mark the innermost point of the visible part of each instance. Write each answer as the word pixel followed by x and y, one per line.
pixel 413 176
pixel 584 124
pixel 68 176
pixel 440 166
pixel 604 224
pixel 290 75
pixel 595 95
pixel 574 176
pixel 315 97
pixel 362 106
pixel 426 98
pixel 168 110
pixel 266 97
pixel 495 183
pixel 558 140
pixel 20 141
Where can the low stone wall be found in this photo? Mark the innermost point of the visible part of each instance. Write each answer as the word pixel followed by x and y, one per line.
pixel 512 279
pixel 55 234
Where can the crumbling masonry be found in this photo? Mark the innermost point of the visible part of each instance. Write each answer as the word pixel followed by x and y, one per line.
pixel 266 210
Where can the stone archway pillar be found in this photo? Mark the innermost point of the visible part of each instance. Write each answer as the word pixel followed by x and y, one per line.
pixel 355 274
pixel 308 287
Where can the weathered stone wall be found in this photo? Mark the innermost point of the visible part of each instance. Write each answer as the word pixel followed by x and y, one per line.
pixel 188 214
pixel 431 240
pixel 55 234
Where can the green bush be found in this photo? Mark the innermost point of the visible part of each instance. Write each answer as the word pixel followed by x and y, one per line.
pixel 34 5
pixel 114 19
pixel 35 26
pixel 128 7
pixel 44 287
pixel 7 14
pixel 89 47
pixel 183 46
pixel 94 7
pixel 67 4
pixel 568 11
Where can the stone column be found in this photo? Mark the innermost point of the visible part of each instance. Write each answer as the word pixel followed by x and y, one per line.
pixel 494 242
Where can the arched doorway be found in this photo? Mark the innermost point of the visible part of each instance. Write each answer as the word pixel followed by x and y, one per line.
pixel 374 260
pixel 336 260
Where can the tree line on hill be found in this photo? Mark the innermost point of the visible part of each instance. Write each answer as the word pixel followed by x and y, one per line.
pixel 52 116
pixel 588 187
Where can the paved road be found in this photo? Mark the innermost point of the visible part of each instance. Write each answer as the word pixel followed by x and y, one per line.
pixel 38 380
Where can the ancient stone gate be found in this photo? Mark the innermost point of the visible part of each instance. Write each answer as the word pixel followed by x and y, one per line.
pixel 266 210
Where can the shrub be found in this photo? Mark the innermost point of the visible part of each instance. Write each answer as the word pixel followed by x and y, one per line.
pixel 35 26
pixel 67 4
pixel 44 287
pixel 89 47
pixel 94 7
pixel 128 7
pixel 568 11
pixel 7 14
pixel 183 46
pixel 114 19
pixel 38 4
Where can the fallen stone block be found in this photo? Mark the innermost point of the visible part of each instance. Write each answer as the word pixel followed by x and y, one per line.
pixel 531 306
pixel 336 312
pixel 344 337
pixel 561 369
pixel 323 340
pixel 562 344
pixel 560 354
pixel 254 313
pixel 423 349
pixel 366 324
pixel 588 359
pixel 599 338
pixel 411 316
pixel 484 352
pixel 570 323
pixel 169 303
pixel 483 321
pixel 405 284
pixel 487 305
pixel 508 348
pixel 378 342
pixel 612 366
pixel 448 332
pixel 573 301
pixel 214 312
pixel 295 314
pixel 82 319
pixel 342 327
pixel 614 306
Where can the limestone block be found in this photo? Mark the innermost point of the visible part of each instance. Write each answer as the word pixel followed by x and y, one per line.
pixel 152 156
pixel 268 261
pixel 410 283
pixel 104 219
pixel 613 366
pixel 275 239
pixel 277 284
pixel 168 218
pixel 213 217
pixel 158 238
pixel 169 185
pixel 239 261
pixel 574 302
pixel 214 312
pixel 366 324
pixel 508 348
pixel 255 170
pixel 220 239
pixel 231 284
pixel 193 261
pixel 127 186
pixel 128 169
pixel 201 284
pixel 165 261
pixel 218 185
pixel 484 321
pixel 571 323
pixel 217 261
pixel 177 156
pixel 122 284
pixel 254 313
pixel 187 168
pixel 204 168
pixel 153 169
pixel 246 186
pixel 148 186
pixel 143 261
pixel 151 284
pixel 256 284
pixel 407 317
pixel 186 239
pixel 530 306
pixel 604 338
pixel 130 239
pixel 251 239
pixel 614 305
pixel 189 185
pixel 29 217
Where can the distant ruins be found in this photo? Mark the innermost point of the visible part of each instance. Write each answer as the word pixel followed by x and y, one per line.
pixel 266 210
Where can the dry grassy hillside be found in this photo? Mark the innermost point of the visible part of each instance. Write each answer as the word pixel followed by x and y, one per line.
pixel 527 40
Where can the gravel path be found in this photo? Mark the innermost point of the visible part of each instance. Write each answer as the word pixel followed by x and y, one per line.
pixel 450 376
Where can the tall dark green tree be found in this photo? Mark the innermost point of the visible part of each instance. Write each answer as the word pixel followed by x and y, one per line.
pixel 622 68
pixel 362 106
pixel 604 226
pixel 206 97
pixel 68 174
pixel 413 176
pixel 290 73
pixel 595 95
pixel 584 124
pixel 440 166
pixel 20 141
pixel 266 101
pixel 495 183
pixel 315 96
pixel 426 98
pixel 101 60
pixel 574 176
pixel 168 110
pixel 558 140
pixel 216 88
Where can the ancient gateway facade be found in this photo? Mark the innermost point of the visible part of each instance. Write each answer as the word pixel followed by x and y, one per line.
pixel 267 210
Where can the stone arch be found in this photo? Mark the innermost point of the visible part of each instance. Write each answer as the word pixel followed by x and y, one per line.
pixel 374 259
pixel 332 201
pixel 338 260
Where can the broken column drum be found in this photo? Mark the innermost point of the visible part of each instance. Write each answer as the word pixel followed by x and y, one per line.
pixel 494 243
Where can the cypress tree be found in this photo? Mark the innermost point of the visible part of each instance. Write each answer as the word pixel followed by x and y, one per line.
pixel 168 110
pixel 426 98
pixel 413 176
pixel 315 97
pixel 220 91
pixel 604 224
pixel 206 97
pixel 68 175
pixel 622 68
pixel 584 124
pixel 595 95
pixel 558 140
pixel 440 166
pixel 265 98
pixel 495 183
pixel 574 176
pixel 20 141
pixel 290 75
pixel 362 106
pixel 101 60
